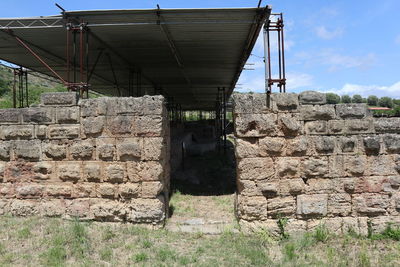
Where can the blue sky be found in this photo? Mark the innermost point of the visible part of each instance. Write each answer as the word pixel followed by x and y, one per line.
pixel 341 46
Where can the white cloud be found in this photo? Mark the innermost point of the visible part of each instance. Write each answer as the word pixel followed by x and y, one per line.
pixel 298 80
pixel 324 33
pixel 366 90
pixel 397 40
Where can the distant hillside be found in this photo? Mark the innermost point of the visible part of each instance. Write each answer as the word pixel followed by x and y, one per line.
pixel 37 84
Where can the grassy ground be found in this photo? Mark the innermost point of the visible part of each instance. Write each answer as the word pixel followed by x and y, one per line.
pixel 56 242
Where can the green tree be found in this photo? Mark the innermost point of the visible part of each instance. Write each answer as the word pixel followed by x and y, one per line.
pixel 356 99
pixel 346 99
pixel 373 100
pixel 332 98
pixel 396 102
pixel 385 102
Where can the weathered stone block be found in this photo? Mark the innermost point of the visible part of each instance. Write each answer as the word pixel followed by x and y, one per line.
pixel 115 173
pixel 153 105
pixel 120 125
pixel 64 131
pixel 312 98
pixel 151 189
pixel 281 206
pixel 84 190
pixel 51 208
pixel 246 148
pixel 267 188
pixel 146 210
pixel 68 114
pixel 149 126
pixel 355 165
pixel 325 144
pixel 256 168
pixel 372 184
pixel 145 171
pixel 336 166
pixel 370 204
pixel 92 172
pixel 271 146
pixel 55 151
pixel 358 126
pixel 312 205
pixel 129 149
pixel 316 127
pixel 40 131
pixel 288 167
pixel 93 126
pixel 24 207
pixel 43 170
pixel 352 111
pixel 252 208
pixel 29 190
pixel 296 186
pixel 106 148
pixel 94 107
pixel 5 148
pixel 336 127
pixel 129 190
pixel 38 115
pixel 286 101
pixel 82 150
pixel 27 150
pixel 372 145
pixel 339 204
pixel 59 99
pixel 297 146
pixel 392 143
pixel 315 167
pixel 381 165
pixel 154 148
pixel 348 144
pixel 311 113
pixel 250 103
pixel 69 171
pixel 107 190
pixel 107 210
pixel 17 132
pixel 255 125
pixel 320 185
pixel 290 125
pixel 78 208
pixel 387 125
pixel 10 115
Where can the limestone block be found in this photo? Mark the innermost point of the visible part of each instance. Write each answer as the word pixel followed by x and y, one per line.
pixel 106 190
pixel 372 145
pixel 64 131
pixel 315 167
pixel 27 150
pixel 58 190
pixel 271 146
pixel 107 210
pixel 336 166
pixel 252 208
pixel 395 201
pixel 311 113
pixel 333 225
pixel 246 148
pixel 153 105
pixel 149 126
pixel 126 105
pixel 297 146
pixel 92 171
pixel 145 171
pixel 392 143
pixel 267 188
pixel 51 208
pixel 255 125
pixel 55 150
pixel 146 210
pixel 12 115
pixel 286 101
pixel 69 171
pixel 38 115
pixel 325 144
pixel 7 190
pixel 29 190
pixel 359 126
pixel 250 103
pixel 114 173
pixel 387 125
pixel 43 170
pixel 2 170
pixel 288 167
pixel 151 189
pixel 129 149
pixel 68 114
pixel 256 169
pixel 120 125
pixel 93 107
pixel 352 111
pixel 281 206
pixel 40 131
pixel 396 160
pixel 316 127
pixel 77 208
pixel 312 205
pixel 129 190
pixel 370 204
pixel 154 148
pixel 379 224
pixel 290 125
pixel 59 99
pixel 106 148
pixel 320 185
pixel 24 207
pixel 17 131
pixel 93 126
pixel 5 148
pixel 348 144
pixel 296 186
pixel 312 98
pixel 381 165
pixel 371 184
pixel 339 204
pixel 82 150
pixel 84 190
pixel 336 127
pixel 355 165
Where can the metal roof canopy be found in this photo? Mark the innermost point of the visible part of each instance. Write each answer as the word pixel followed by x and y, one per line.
pixel 184 53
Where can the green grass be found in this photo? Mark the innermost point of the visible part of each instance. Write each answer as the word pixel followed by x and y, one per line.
pixel 56 242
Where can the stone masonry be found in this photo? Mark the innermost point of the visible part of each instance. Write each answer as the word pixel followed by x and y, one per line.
pixel 104 159
pixel 312 163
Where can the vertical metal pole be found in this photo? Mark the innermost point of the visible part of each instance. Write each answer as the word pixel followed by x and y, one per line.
pixel 21 88
pixel 68 59
pixel 26 88
pixel 283 56
pixel 279 54
pixel 15 90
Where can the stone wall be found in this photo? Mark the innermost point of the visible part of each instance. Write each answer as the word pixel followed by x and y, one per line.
pixel 100 159
pixel 311 163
